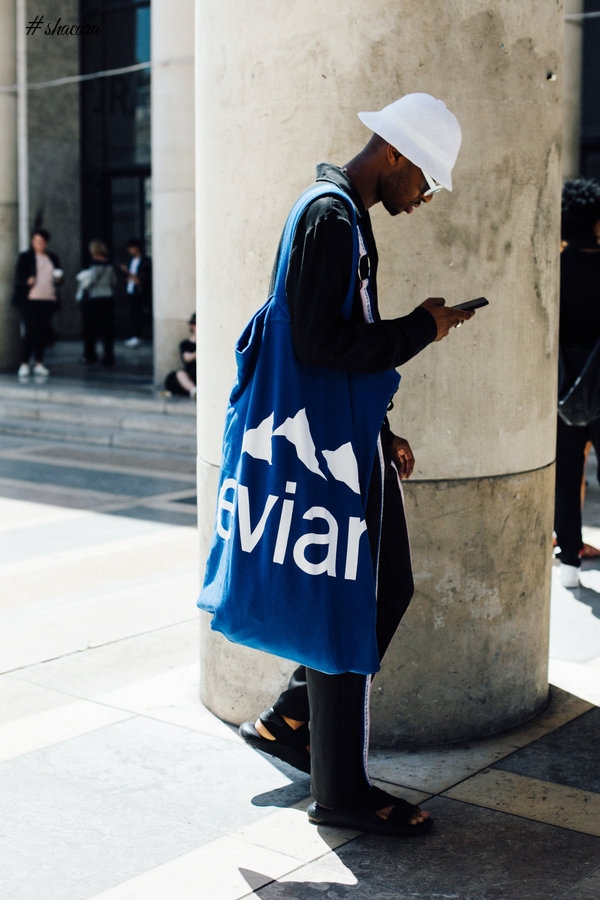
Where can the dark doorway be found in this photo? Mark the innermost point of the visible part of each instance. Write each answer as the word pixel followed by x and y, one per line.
pixel 115 133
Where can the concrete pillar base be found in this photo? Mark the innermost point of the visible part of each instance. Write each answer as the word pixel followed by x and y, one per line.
pixel 470 658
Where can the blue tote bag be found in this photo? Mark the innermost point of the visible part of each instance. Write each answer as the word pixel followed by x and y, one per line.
pixel 290 569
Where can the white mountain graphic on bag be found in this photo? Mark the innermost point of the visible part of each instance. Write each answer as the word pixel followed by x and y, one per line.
pixel 341 462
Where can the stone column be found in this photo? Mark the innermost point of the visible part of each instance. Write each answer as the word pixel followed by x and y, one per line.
pixel 173 226
pixel 9 329
pixel 278 93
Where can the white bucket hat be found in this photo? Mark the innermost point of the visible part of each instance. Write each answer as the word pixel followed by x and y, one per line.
pixel 423 130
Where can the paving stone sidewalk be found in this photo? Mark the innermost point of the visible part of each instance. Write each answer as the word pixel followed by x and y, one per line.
pixel 117 784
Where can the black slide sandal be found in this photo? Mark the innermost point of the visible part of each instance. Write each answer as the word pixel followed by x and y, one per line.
pixel 397 824
pixel 289 744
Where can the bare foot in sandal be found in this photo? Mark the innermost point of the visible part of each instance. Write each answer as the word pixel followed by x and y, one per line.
pixel 402 819
pixel 419 815
pixel 278 736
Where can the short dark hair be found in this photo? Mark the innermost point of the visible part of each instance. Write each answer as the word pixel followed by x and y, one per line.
pixel 135 242
pixel 42 233
pixel 580 210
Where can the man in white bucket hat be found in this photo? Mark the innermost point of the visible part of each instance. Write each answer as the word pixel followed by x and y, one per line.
pixel 424 131
pixel 407 160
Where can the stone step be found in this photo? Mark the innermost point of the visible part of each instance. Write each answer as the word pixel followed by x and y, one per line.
pixel 51 392
pixel 84 433
pixel 115 418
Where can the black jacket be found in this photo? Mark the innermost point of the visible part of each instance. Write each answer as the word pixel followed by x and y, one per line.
pixel 317 282
pixel 579 328
pixel 25 269
pixel 143 289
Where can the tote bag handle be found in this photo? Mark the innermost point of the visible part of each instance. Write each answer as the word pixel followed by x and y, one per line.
pixel 320 189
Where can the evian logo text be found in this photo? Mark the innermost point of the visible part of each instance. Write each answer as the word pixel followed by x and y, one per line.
pixel 339 540
pixel 235 498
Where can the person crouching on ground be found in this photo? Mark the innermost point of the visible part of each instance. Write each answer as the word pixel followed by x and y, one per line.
pixel 183 381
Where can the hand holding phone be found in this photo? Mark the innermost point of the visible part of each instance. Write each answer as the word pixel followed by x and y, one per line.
pixel 472 304
pixel 446 317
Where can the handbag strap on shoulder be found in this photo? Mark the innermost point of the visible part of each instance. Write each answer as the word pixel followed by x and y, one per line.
pixel 319 189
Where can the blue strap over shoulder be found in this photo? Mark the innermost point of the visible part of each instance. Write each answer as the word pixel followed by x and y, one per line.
pixel 319 189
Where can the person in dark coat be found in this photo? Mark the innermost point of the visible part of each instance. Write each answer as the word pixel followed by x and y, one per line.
pixel 37 277
pixel 138 289
pixel 579 331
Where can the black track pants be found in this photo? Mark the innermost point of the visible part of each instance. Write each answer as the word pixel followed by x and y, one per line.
pixel 337 705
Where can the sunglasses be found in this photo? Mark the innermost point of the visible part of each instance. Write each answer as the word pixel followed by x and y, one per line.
pixel 434 187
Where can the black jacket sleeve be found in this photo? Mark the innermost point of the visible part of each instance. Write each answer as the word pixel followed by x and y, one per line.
pixel 317 283
pixel 24 269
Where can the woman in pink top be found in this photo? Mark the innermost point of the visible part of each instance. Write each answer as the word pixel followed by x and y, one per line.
pixel 37 276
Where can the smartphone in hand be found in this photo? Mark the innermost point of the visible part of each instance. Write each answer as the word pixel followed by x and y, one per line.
pixel 472 304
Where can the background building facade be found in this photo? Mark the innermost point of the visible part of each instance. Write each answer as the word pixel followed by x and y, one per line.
pixel 90 156
pixel 84 114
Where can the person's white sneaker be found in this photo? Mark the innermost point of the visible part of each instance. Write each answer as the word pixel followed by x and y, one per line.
pixel 40 369
pixel 23 371
pixel 569 575
pixel 132 342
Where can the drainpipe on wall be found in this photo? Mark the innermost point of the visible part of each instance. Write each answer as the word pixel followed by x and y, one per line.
pixel 22 136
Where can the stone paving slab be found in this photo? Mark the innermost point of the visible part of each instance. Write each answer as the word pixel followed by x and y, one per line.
pixel 138 793
pixel 568 756
pixel 473 854
pixel 439 768
pixel 89 479
pixel 119 460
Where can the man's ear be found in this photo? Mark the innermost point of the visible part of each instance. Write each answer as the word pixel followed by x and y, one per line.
pixel 395 158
